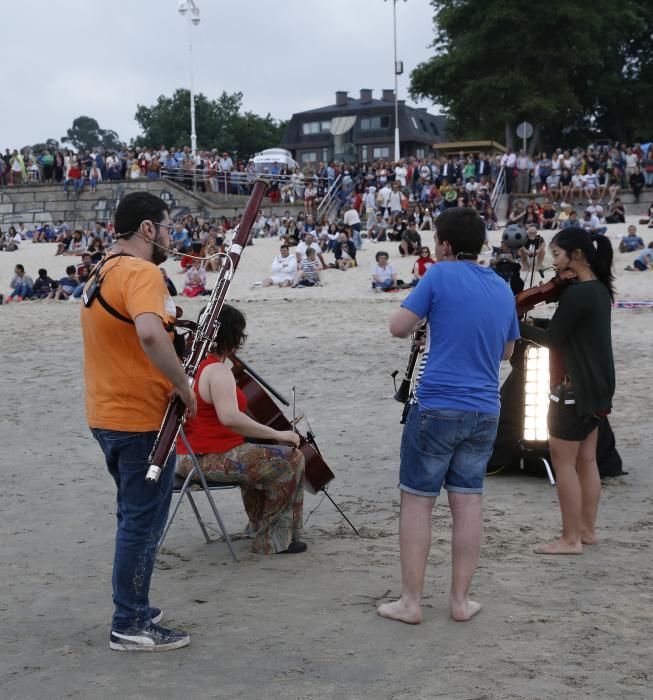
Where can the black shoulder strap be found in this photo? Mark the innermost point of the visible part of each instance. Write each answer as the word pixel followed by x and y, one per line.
pixel 103 302
pixel 107 307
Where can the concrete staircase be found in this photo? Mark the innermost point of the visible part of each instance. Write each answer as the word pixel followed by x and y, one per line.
pixel 41 204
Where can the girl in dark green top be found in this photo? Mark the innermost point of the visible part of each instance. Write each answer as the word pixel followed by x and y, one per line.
pixel 583 371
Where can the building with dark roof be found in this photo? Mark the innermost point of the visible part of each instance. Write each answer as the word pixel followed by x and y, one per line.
pixel 362 129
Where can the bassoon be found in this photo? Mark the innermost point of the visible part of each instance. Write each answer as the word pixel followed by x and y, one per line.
pixel 205 333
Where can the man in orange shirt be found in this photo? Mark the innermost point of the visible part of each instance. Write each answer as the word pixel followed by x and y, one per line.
pixel 130 370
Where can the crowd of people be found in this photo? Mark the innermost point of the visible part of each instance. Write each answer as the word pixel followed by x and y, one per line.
pixel 305 245
pixel 386 202
pixel 437 181
pixel 574 175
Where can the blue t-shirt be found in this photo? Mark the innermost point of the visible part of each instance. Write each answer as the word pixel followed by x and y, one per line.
pixel 471 315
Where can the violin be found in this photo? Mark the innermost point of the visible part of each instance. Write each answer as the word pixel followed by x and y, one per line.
pixel 546 293
pixel 263 409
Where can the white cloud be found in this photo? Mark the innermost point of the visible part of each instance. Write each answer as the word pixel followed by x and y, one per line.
pixel 102 58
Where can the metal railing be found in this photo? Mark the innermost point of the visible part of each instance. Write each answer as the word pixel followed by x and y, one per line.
pixel 329 197
pixel 499 187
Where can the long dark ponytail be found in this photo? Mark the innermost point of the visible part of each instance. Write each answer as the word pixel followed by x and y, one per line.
pixel 597 250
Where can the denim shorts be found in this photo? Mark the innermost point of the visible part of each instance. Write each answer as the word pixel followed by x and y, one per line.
pixel 445 447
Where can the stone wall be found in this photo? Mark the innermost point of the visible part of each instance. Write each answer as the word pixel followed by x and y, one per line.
pixel 40 204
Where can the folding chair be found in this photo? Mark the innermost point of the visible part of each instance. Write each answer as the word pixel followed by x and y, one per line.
pixel 184 488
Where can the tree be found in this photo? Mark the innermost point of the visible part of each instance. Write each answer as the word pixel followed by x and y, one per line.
pixel 219 124
pixel 497 64
pixel 85 134
pixel 51 145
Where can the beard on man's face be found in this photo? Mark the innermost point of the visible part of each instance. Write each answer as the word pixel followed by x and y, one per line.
pixel 159 255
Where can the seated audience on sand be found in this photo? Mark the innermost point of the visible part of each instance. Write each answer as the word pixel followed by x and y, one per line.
pixel 616 213
pixel 83 271
pixel 66 285
pixel 532 216
pixel 571 221
pixel 411 241
pixel 77 244
pixel 194 280
pixel 283 268
pixel 384 277
pixel 43 285
pixel 10 240
pixel 592 223
pixel 180 240
pixel 308 271
pixel 64 240
pixel 549 218
pixel 533 250
pixel 96 249
pixel 377 230
pixel 188 257
pixel 303 246
pixel 631 241
pixel 211 250
pixel 517 215
pixel 21 285
pixel 644 261
pixel 345 252
pixel 422 264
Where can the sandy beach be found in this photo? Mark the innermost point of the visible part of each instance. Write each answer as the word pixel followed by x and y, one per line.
pixel 305 626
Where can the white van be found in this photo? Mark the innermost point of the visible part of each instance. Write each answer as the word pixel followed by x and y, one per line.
pixel 265 159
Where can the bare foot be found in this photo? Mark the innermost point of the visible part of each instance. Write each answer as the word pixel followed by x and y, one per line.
pixel 464 612
pixel 558 547
pixel 589 538
pixel 402 611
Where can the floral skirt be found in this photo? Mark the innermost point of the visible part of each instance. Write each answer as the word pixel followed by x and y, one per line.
pixel 271 479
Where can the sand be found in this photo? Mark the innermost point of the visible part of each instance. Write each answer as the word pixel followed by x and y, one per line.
pixel 305 626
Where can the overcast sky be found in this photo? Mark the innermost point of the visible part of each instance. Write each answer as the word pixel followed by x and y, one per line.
pixel 101 58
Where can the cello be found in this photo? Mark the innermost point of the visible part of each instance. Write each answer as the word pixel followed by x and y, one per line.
pixel 263 409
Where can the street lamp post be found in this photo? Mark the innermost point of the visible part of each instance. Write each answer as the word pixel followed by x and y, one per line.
pixel 190 8
pixel 399 69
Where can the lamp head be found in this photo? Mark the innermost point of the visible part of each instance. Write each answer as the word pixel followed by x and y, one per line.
pixel 183 8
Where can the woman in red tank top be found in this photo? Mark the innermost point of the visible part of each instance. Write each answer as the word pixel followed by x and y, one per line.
pixel 422 264
pixel 271 477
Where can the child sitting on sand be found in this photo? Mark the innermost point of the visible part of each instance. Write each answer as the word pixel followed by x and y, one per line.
pixel 644 261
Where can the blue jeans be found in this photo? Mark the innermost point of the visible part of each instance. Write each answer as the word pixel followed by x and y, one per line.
pixel 385 284
pixel 447 447
pixel 142 511
pixel 77 292
pixel 22 290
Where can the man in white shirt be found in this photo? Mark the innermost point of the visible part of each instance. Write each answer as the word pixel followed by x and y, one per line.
pixel 284 269
pixel 226 164
pixel 383 199
pixel 508 161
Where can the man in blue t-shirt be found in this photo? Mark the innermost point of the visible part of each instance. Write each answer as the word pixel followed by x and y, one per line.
pixel 450 430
